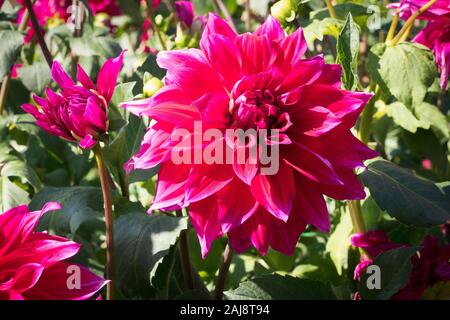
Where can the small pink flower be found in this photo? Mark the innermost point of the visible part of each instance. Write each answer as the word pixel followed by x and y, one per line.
pixel 427 164
pixel 110 7
pixel 79 111
pixel 33 265
pixel 258 81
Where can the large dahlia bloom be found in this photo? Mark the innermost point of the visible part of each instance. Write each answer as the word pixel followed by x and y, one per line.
pixel 33 265
pixel 253 81
pixel 79 111
pixel 430 265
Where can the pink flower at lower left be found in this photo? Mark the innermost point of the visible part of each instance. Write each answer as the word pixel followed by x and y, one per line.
pixel 34 266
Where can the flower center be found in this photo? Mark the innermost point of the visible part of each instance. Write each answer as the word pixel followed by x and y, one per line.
pixel 255 109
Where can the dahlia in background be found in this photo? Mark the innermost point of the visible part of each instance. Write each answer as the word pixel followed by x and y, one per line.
pixel 258 81
pixel 33 265
pixel 429 266
pixel 436 35
pixel 79 111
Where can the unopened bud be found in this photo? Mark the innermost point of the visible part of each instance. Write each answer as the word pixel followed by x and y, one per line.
pixel 151 85
pixel 284 11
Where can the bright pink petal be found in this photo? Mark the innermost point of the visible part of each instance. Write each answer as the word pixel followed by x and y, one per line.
pixel 107 77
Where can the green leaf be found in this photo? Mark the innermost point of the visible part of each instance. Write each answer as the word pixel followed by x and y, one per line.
pixel 274 287
pixel 431 114
pixel 406 197
pixel 80 205
pixel 408 70
pixel 140 242
pixel 395 268
pixel 339 242
pixel 11 194
pixel 35 77
pixel 405 118
pixel 12 42
pixel 20 169
pixel 348 53
pixel 169 281
pixel 319 28
pixel 91 45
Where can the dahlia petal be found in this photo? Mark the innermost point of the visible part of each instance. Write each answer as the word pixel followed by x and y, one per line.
pixel 107 77
pixel 314 121
pixel 294 47
pixel 26 277
pixel 277 192
pixel 213 108
pixel 171 187
pixel 60 76
pixel 205 180
pixel 311 164
pixel 95 115
pixel 204 220
pixel 272 28
pixel 257 52
pixel 138 107
pixel 310 204
pixel 84 79
pixel 305 72
pixel 225 58
pixel 53 284
pixel 236 205
pixel 87 142
pixel 216 25
pixel 189 70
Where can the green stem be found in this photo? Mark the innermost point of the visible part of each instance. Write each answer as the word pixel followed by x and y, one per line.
pixel 109 220
pixel 223 272
pixel 4 92
pixel 154 27
pixel 392 28
pixel 356 216
pixel 185 257
pixel 39 35
pixel 226 13
pixel 367 117
pixel 331 10
pixel 407 27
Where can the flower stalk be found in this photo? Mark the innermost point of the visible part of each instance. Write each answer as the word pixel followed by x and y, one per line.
pixel 109 220
pixel 393 26
pixel 185 257
pixel 331 10
pixel 154 27
pixel 407 27
pixel 226 13
pixel 223 272
pixel 39 35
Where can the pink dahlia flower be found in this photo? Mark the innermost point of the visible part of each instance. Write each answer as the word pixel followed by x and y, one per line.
pixel 110 7
pixel 436 36
pixel 253 81
pixel 440 10
pixel 33 265
pixel 430 266
pixel 79 111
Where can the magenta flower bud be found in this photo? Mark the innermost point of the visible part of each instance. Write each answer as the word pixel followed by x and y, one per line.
pixel 79 111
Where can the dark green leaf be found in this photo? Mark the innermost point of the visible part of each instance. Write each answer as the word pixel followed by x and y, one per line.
pixel 141 241
pixel 273 287
pixel 11 42
pixel 35 77
pixel 348 53
pixel 395 268
pixel 406 197
pixel 80 205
